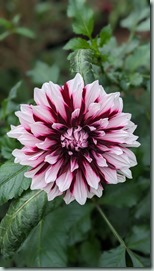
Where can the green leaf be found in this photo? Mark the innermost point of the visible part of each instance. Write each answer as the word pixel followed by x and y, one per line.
pixel 12 181
pixel 90 253
pixel 81 61
pixel 144 26
pixel 143 207
pixel 83 17
pixel 74 7
pixel 105 35
pixel 24 31
pixel 42 73
pixel 139 239
pixel 23 215
pixel 5 23
pixel 47 244
pixel 76 43
pixel 7 105
pixel 135 259
pixel 13 91
pixel 135 79
pixel 140 57
pixel 84 26
pixel 124 195
pixel 7 145
pixel 79 230
pixel 16 19
pixel 4 35
pixel 113 258
pixel 134 18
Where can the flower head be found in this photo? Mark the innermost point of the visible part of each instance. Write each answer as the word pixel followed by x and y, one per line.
pixel 75 139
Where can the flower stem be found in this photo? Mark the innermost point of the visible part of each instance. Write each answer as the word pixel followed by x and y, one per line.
pixel 116 234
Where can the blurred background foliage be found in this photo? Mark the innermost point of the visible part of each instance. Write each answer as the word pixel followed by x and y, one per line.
pixel 105 40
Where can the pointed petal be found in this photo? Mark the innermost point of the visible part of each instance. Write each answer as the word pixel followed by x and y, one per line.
pixel 91 177
pixel 80 190
pixel 75 87
pixel 51 173
pixel 64 181
pixel 68 197
pixel 110 175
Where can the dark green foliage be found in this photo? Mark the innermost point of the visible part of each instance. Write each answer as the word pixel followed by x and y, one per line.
pixel 81 61
pixel 22 216
pixel 12 181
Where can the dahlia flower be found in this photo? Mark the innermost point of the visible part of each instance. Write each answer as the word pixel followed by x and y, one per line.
pixel 75 139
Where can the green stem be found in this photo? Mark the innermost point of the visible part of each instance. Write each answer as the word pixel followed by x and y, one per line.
pixel 116 234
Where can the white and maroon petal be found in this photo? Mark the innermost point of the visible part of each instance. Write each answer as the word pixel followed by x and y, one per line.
pixel 118 136
pixel 126 172
pixel 43 113
pixel 57 126
pixel 98 192
pixel 88 157
pixel 68 198
pixel 121 119
pixel 92 93
pixel 75 88
pixel 73 164
pixel 51 158
pixel 135 144
pixel 64 181
pixel 131 156
pixel 52 191
pixel 118 103
pixel 92 178
pixel 94 110
pixel 16 131
pixel 28 139
pixel 110 175
pixel 130 127
pixel 74 116
pixel 40 97
pixel 46 144
pixel 38 180
pixel 52 172
pixel 30 173
pixel 118 161
pixel 116 150
pixel 27 160
pixel 25 115
pixel 20 157
pixel 101 123
pixel 53 92
pixel 100 160
pixel 39 129
pixel 80 189
pixel 121 178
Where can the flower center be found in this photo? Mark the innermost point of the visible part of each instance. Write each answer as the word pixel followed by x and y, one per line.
pixel 74 139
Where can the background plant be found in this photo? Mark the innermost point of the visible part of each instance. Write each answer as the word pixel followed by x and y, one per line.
pixel 109 43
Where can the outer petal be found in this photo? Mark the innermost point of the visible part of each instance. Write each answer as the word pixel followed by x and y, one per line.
pixel 75 88
pixel 110 175
pixel 80 190
pixel 40 97
pixel 54 95
pixel 16 131
pixel 51 173
pixel 52 191
pixel 91 177
pixel 64 181
pixel 92 93
pixel 68 197
pixel 98 192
